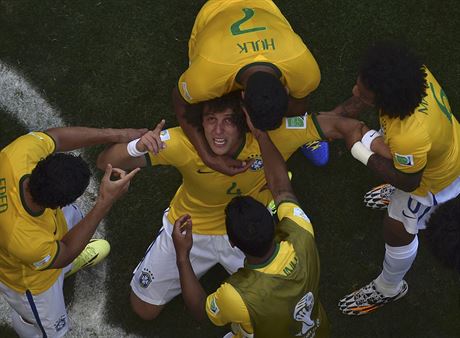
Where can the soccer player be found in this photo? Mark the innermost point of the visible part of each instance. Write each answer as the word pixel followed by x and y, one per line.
pixel 204 193
pixel 275 294
pixel 249 45
pixel 443 233
pixel 41 232
pixel 423 162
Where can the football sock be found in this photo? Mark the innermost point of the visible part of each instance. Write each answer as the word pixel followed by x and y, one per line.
pixel 397 262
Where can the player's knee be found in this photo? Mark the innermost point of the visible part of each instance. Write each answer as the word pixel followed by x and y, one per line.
pixel 143 309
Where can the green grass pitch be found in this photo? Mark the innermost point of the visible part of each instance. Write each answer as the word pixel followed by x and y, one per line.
pixel 113 63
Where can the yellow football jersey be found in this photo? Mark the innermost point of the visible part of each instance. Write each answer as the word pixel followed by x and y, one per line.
pixel 225 305
pixel 429 139
pixel 29 242
pixel 204 193
pixel 230 35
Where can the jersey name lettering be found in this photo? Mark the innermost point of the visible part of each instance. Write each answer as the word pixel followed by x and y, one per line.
pixel 3 197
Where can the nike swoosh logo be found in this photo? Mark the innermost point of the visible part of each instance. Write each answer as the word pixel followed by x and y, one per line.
pixel 404 213
pixel 372 135
pixel 199 171
pixel 89 263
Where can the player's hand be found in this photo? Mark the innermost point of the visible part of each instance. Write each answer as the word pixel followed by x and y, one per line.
pixel 182 236
pixel 129 134
pixel 151 140
pixel 256 132
pixel 111 190
pixel 228 165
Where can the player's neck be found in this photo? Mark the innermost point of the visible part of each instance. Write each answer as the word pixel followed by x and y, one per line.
pixel 251 260
pixel 28 200
pixel 253 69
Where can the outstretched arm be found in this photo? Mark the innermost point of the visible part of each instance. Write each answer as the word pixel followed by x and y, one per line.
pixel 192 291
pixel 351 107
pixel 71 138
pixel 131 155
pixel 276 172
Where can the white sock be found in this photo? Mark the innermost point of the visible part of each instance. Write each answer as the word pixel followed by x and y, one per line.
pixel 397 262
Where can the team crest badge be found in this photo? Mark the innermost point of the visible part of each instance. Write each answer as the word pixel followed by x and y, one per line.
pixel 404 160
pixel 258 163
pixel 145 278
pixel 60 323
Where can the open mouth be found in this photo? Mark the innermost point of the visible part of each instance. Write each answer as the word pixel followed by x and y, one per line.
pixel 219 141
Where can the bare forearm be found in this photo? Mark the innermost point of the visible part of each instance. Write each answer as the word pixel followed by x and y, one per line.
pixel 118 156
pixel 72 138
pixel 351 107
pixel 384 168
pixel 274 167
pixel 73 243
pixel 192 291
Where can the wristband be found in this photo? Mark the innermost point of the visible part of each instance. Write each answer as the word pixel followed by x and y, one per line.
pixel 132 150
pixel 361 153
pixel 370 136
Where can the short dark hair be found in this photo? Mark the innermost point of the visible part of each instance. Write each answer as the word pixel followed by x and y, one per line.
pixel 443 233
pixel 58 180
pixel 232 101
pixel 250 226
pixel 266 100
pixel 396 77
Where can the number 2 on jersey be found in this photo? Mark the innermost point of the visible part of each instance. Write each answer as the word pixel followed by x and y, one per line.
pixel 248 14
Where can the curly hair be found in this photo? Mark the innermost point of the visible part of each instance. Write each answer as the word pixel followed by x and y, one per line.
pixel 250 226
pixel 443 233
pixel 58 180
pixel 232 101
pixel 266 100
pixel 396 76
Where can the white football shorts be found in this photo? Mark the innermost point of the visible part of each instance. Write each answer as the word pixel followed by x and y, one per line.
pixel 156 278
pixel 414 211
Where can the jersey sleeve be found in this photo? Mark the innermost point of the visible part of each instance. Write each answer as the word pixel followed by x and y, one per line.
pixel 410 153
pixel 205 80
pixel 226 306
pixel 39 253
pixel 301 74
pixel 299 130
pixel 177 152
pixel 36 145
pixel 295 213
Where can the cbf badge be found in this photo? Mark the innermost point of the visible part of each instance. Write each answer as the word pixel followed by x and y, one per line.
pixel 258 163
pixel 145 278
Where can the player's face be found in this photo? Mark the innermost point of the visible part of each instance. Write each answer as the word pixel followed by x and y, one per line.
pixel 221 132
pixel 364 94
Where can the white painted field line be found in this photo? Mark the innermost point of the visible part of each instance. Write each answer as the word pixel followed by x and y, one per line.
pixel 87 311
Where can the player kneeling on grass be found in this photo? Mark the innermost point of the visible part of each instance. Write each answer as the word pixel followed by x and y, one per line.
pixel 43 237
pixel 204 193
pixel 275 294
